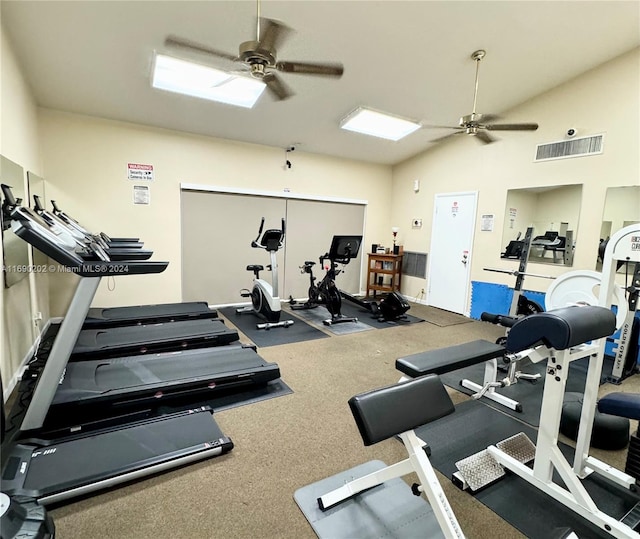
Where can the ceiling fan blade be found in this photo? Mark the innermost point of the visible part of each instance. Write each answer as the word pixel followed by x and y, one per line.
pixel 275 85
pixel 272 34
pixel 511 127
pixel 484 118
pixel 433 126
pixel 484 137
pixel 445 137
pixel 307 68
pixel 185 44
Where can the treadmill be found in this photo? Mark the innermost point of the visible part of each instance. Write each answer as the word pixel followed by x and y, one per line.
pixel 148 334
pixel 108 317
pixel 55 466
pixel 105 317
pixel 151 338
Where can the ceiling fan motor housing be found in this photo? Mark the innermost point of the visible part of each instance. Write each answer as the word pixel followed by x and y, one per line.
pixel 252 54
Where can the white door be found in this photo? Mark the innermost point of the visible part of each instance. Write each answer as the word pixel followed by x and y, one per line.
pixel 454 220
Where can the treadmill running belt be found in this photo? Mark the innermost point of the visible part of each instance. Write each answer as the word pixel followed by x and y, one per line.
pixel 147 314
pixel 94 388
pixel 130 340
pixel 83 465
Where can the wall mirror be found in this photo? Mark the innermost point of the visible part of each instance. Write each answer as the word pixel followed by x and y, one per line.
pixel 621 208
pixel 15 250
pixel 553 212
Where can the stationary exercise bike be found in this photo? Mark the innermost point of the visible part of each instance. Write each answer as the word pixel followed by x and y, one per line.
pixel 325 292
pixel 265 301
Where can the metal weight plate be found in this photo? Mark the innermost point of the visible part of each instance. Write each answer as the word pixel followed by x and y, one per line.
pixel 581 287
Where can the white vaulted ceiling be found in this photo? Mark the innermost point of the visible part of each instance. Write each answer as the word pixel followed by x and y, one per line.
pixel 408 58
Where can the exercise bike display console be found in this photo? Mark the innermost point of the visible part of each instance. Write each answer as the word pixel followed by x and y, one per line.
pixel 265 301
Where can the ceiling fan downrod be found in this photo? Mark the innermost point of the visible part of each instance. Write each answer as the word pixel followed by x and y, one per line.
pixel 477 56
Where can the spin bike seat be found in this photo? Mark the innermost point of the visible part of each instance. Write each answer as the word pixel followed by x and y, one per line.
pixel 254 267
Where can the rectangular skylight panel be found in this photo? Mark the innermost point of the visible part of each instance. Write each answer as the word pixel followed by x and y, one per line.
pixel 378 124
pixel 180 76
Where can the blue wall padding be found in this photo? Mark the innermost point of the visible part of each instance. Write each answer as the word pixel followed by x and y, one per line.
pixel 489 297
pixel 496 298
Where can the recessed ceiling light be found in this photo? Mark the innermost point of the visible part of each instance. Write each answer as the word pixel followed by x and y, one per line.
pixel 378 124
pixel 183 77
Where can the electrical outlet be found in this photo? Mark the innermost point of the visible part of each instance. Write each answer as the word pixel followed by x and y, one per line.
pixel 416 223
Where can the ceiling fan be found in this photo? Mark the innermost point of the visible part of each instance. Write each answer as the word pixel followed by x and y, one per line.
pixel 259 56
pixel 475 124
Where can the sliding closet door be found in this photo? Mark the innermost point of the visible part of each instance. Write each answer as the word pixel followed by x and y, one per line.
pixel 217 231
pixel 311 226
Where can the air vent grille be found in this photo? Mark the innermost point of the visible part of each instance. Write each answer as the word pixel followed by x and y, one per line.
pixel 414 264
pixel 578 147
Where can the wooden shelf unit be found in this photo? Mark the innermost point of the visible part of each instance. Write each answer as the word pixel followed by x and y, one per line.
pixel 385 267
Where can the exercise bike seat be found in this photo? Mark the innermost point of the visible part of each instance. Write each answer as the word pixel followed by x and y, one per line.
pixel 255 267
pixel 309 263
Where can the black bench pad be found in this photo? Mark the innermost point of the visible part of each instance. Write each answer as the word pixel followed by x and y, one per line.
pixel 449 359
pixel 561 328
pixel 385 412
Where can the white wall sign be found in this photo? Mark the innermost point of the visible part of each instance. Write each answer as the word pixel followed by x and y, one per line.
pixel 141 194
pixel 487 223
pixel 137 172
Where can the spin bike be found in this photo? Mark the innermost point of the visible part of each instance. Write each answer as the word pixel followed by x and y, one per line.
pixel 325 292
pixel 265 301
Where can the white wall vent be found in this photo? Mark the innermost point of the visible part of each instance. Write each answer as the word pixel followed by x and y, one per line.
pixel 576 147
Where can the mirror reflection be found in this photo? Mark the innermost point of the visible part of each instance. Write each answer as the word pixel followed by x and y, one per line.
pixel 15 250
pixel 621 208
pixel 553 212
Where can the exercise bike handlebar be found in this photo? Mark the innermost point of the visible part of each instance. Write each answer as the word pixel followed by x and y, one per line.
pixel 254 243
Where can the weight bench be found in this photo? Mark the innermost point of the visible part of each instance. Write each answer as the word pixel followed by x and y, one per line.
pixel 396 411
pixel 459 356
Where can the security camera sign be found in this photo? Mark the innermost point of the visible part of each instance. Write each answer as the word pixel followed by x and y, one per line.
pixel 138 172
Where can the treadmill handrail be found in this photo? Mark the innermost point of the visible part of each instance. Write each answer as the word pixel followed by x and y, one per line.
pixel 76 264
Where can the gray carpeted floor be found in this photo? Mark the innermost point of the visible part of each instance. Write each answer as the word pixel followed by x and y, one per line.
pixel 285 443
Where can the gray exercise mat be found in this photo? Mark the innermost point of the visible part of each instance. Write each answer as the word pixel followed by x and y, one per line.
pixel 474 426
pixel 298 332
pixel 389 510
pixel 317 316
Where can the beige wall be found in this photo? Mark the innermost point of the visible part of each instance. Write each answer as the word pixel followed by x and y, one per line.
pixel 604 100
pixel 86 172
pixel 84 162
pixel 19 142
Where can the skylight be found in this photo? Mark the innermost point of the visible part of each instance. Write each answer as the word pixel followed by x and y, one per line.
pixel 378 124
pixel 196 80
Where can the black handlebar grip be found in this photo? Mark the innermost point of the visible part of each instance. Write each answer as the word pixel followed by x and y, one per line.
pixel 283 227
pixel 500 319
pixel 489 317
pixel 8 194
pixel 37 204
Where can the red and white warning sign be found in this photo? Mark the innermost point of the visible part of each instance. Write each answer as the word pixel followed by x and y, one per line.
pixel 137 172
